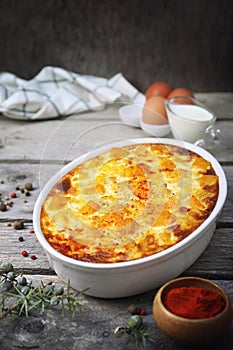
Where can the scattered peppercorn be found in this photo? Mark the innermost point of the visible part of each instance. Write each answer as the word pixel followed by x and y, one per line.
pixel 2 206
pixel 27 193
pixel 133 309
pixel 6 198
pixel 31 231
pixel 24 200
pixel 24 253
pixel 1 181
pixel 21 239
pixel 22 190
pixel 33 257
pixel 28 186
pixel 8 224
pixel 13 195
pixel 18 224
pixel 142 312
pixel 17 188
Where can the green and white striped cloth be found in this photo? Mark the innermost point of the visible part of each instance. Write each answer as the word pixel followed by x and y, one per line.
pixel 56 92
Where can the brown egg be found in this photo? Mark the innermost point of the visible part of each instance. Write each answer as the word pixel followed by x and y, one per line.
pixel 154 112
pixel 180 92
pixel 159 88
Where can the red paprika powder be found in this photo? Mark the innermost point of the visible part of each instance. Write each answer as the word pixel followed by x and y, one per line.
pixel 193 302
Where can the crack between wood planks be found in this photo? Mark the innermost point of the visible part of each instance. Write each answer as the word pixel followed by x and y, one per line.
pixel 224 225
pixel 35 161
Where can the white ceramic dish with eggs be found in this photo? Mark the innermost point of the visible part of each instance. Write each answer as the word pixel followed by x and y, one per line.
pixel 155 130
pixel 131 114
pixel 114 280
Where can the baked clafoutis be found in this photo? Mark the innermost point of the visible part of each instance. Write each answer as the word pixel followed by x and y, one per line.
pixel 129 202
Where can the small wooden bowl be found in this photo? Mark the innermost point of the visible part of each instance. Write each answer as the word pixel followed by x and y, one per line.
pixel 191 331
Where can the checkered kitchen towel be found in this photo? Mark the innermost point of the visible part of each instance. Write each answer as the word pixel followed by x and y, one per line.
pixel 57 92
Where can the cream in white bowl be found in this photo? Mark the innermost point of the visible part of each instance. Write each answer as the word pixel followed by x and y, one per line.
pixel 113 280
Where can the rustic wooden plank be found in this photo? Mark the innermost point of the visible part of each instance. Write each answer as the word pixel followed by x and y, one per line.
pixel 11 249
pixel 61 141
pixel 36 163
pixel 226 214
pixel 217 260
pixel 94 328
pixel 209 264
pixel 15 175
pixel 65 142
pixel 220 102
pixel 65 139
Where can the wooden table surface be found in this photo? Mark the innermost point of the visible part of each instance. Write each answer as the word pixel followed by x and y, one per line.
pixel 32 152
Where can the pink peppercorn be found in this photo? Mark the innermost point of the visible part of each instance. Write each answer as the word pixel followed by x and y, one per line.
pixel 33 257
pixel 31 231
pixel 13 195
pixel 142 312
pixel 24 253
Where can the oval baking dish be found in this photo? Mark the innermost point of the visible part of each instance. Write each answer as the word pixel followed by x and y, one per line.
pixel 121 279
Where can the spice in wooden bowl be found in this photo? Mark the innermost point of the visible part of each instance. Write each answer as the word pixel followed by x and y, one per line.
pixel 194 302
pixel 192 311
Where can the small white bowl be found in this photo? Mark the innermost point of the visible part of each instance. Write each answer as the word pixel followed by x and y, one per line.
pixel 155 130
pixel 131 114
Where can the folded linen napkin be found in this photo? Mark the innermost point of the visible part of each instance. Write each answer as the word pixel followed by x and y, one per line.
pixel 57 92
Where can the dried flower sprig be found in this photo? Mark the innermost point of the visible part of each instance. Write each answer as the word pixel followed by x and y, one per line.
pixel 19 296
pixel 137 333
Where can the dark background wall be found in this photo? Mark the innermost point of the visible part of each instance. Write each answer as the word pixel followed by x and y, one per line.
pixel 185 42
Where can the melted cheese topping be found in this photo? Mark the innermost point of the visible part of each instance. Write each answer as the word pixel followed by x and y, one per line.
pixel 129 202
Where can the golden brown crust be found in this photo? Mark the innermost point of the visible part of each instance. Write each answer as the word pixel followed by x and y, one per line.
pixel 129 202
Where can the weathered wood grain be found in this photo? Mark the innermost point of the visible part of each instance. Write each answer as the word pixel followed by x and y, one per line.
pixel 65 139
pixel 220 103
pixel 33 152
pixel 94 328
pixel 216 262
pixel 11 250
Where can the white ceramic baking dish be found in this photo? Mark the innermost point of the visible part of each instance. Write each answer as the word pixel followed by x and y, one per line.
pixel 114 280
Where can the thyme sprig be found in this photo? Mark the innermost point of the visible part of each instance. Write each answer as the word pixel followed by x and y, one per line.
pixel 137 333
pixel 20 297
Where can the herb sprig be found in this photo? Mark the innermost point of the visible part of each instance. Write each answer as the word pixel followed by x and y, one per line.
pixel 20 297
pixel 137 333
